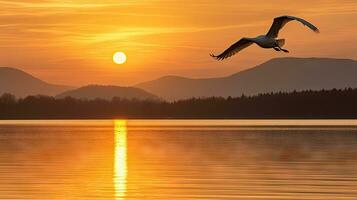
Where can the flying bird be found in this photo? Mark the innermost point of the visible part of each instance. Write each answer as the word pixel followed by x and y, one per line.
pixel 267 41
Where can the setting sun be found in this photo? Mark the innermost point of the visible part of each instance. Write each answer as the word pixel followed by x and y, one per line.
pixel 119 58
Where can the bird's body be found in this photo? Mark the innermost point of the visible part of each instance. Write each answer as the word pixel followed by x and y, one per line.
pixel 265 42
pixel 268 41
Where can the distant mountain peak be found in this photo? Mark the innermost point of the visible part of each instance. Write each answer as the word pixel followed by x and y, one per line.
pixel 21 84
pixel 277 74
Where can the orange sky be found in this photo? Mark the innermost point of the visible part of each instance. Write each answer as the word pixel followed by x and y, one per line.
pixel 72 42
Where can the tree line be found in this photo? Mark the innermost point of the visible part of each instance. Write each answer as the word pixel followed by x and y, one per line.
pixel 304 104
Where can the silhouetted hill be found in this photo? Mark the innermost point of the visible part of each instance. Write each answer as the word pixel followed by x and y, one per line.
pixel 108 92
pixel 21 84
pixel 280 74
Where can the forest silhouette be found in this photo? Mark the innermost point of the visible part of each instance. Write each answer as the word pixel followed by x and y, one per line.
pixel 322 104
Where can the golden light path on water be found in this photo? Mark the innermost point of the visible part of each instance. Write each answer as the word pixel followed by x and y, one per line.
pixel 120 159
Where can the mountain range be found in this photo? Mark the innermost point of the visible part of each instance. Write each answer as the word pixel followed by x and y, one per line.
pixel 21 84
pixel 279 74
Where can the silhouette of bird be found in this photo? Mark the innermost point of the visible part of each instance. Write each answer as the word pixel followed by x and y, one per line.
pixel 265 41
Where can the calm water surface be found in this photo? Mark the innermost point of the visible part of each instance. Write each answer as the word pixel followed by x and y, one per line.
pixel 170 159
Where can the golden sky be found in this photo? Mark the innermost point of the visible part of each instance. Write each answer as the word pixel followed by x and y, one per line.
pixel 72 41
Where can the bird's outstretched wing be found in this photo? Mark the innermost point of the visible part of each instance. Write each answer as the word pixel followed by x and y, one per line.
pixel 280 22
pixel 235 48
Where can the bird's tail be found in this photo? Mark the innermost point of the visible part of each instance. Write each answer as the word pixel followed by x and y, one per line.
pixel 281 42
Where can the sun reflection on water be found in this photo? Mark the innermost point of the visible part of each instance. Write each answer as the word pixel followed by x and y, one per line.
pixel 120 159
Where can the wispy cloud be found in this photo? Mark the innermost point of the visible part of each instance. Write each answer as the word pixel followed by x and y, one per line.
pixel 54 4
pixel 126 33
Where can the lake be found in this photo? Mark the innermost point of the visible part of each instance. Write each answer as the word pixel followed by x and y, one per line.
pixel 178 159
